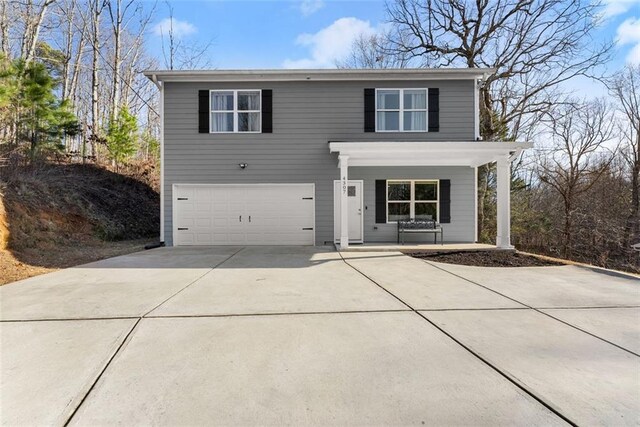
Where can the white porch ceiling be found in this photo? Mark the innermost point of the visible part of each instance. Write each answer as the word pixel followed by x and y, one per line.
pixel 426 153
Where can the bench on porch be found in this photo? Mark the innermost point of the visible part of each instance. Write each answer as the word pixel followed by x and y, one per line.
pixel 420 226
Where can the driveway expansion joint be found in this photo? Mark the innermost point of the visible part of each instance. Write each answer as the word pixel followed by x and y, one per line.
pixel 69 319
pixel 123 344
pixel 194 281
pixel 538 310
pixel 294 313
pixel 513 380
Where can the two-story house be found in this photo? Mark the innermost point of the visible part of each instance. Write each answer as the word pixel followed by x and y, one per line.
pixel 314 157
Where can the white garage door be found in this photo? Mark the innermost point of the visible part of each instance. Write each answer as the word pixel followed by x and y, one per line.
pixel 244 214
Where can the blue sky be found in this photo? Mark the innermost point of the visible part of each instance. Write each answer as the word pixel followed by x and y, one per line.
pixel 316 33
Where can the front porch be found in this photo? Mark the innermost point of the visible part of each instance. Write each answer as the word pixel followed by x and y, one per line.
pixel 419 247
pixel 459 154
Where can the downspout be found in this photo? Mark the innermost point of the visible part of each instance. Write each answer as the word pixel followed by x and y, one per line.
pixel 160 86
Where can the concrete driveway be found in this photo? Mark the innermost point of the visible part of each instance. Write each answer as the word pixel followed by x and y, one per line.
pixel 297 335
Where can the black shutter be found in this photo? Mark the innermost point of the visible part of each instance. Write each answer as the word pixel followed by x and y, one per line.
pixel 381 201
pixel 370 110
pixel 445 201
pixel 267 111
pixel 434 110
pixel 203 111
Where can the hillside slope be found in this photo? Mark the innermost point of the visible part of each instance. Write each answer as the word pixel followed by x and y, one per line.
pixel 56 216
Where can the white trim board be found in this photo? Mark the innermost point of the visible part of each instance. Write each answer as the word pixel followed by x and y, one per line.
pixel 423 153
pixel 318 75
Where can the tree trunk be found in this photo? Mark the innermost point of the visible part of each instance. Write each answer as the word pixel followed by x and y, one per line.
pixel 4 29
pixel 77 63
pixel 567 230
pixel 117 29
pixel 633 222
pixel 95 19
pixel 32 30
pixel 68 51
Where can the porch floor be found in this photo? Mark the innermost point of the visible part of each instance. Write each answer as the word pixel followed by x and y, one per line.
pixel 419 247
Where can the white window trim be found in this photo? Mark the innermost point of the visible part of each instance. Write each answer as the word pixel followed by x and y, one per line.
pixel 412 201
pixel 235 110
pixel 401 110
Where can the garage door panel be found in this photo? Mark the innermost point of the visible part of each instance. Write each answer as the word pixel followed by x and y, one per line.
pixel 269 214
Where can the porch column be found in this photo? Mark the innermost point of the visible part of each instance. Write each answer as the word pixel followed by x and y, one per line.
pixel 344 201
pixel 503 175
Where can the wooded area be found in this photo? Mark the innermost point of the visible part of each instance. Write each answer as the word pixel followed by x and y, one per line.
pixel 71 89
pixel 70 79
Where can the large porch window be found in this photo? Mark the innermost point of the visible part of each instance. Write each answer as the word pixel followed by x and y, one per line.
pixel 412 199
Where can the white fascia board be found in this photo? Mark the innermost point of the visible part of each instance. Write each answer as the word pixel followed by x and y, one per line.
pixel 408 161
pixel 414 74
pixel 428 146
pixel 453 153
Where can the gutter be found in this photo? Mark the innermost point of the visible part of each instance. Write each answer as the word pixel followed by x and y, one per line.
pixel 155 81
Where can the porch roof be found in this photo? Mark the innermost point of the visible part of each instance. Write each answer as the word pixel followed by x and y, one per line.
pixel 426 153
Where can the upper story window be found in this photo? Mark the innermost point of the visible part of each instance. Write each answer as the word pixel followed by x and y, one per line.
pixel 401 110
pixel 235 111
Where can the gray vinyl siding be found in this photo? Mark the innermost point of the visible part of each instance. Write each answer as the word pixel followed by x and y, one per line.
pixel 306 116
pixel 462 225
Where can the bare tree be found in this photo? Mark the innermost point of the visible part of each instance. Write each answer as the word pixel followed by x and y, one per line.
pixel 576 155
pixel 119 22
pixel 625 88
pixel 533 45
pixel 370 51
pixel 181 55
pixel 72 43
pixel 34 15
pixel 96 8
pixel 4 28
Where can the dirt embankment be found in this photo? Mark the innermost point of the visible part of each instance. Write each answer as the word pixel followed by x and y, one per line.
pixel 57 216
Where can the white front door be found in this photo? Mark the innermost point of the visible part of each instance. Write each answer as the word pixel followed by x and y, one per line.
pixel 356 217
pixel 244 214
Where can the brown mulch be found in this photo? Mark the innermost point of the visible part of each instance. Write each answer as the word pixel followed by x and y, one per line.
pixel 486 258
pixel 20 266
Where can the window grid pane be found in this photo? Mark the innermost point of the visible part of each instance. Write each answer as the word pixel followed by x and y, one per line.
pixel 399 211
pixel 415 99
pixel 388 100
pixel 222 122
pixel 399 191
pixel 425 210
pixel 249 101
pixel 415 121
pixel 222 101
pixel 426 191
pixel 388 120
pixel 248 122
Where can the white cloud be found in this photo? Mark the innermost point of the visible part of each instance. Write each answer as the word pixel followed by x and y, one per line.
pixel 330 44
pixel 629 33
pixel 309 7
pixel 618 7
pixel 180 28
